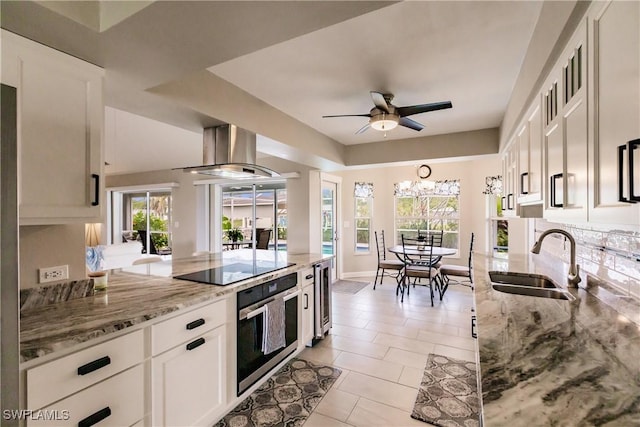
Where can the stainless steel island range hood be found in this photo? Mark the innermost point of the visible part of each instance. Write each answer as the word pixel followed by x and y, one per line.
pixel 230 152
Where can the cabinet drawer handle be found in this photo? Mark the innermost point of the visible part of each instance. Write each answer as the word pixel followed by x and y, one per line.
pixel 306 301
pixel 96 196
pixel 554 179
pixel 195 324
pixel 308 276
pixel 522 189
pixel 94 366
pixel 195 344
pixel 95 418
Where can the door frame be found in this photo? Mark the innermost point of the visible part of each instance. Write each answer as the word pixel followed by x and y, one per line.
pixel 337 181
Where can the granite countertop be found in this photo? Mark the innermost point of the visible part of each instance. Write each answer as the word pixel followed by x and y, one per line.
pixel 554 362
pixel 133 297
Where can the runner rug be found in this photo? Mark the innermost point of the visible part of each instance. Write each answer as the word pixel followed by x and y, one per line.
pixel 348 286
pixel 448 394
pixel 285 399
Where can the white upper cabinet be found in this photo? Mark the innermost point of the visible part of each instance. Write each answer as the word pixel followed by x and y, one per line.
pixel 530 156
pixel 614 105
pixel 565 134
pixel 509 184
pixel 60 131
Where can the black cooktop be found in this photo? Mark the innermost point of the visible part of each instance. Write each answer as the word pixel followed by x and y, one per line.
pixel 232 273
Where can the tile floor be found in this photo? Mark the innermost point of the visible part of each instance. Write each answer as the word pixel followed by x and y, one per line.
pixel 381 345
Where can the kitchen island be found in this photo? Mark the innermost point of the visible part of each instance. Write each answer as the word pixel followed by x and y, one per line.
pixel 550 362
pixel 153 350
pixel 132 299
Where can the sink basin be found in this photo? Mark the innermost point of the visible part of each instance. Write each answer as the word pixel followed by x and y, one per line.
pixel 522 279
pixel 533 292
pixel 535 285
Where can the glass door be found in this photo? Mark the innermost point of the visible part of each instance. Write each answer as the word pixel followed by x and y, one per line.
pixel 329 223
pixel 268 202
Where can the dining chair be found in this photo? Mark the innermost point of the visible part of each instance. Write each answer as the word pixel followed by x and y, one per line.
pixel 462 275
pixel 263 239
pixel 384 263
pixel 419 267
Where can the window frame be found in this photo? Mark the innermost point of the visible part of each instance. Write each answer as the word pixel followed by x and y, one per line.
pixel 356 218
pixel 428 219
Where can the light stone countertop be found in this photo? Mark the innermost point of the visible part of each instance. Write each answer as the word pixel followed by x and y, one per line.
pixel 133 298
pixel 550 362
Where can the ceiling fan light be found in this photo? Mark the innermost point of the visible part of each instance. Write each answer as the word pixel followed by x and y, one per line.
pixel 384 122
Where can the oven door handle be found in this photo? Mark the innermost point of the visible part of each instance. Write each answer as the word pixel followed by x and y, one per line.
pixel 253 313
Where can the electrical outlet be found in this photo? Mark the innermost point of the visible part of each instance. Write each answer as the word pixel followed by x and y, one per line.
pixel 54 274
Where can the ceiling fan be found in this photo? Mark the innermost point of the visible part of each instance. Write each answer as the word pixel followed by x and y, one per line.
pixel 386 116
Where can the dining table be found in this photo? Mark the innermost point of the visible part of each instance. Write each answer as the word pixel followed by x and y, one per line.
pixel 422 252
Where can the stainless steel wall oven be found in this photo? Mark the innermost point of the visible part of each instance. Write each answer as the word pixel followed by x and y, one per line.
pixel 252 362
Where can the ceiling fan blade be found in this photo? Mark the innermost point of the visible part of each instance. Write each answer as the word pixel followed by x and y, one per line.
pixel 363 129
pixel 348 115
pixel 422 108
pixel 411 124
pixel 379 101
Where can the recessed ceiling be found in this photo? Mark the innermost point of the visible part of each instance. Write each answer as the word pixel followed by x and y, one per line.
pixel 467 52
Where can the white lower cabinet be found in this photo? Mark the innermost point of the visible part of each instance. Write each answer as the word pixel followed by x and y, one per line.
pixel 306 280
pixel 188 382
pixel 308 293
pixel 99 384
pixel 117 401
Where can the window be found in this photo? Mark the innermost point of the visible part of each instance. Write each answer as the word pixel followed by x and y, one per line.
pixel 144 216
pixel 363 212
pixel 270 203
pixel 428 206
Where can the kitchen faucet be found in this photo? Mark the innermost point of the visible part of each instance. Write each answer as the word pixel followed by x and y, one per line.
pixel 573 277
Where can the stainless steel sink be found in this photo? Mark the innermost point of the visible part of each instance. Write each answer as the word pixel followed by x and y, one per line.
pixel 523 279
pixel 535 285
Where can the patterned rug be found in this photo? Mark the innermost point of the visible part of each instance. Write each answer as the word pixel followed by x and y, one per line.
pixel 285 399
pixel 348 286
pixel 448 395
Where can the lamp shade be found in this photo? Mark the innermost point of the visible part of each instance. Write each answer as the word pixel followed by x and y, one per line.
pixel 92 233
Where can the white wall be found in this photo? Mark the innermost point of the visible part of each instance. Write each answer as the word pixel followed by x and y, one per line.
pixel 471 174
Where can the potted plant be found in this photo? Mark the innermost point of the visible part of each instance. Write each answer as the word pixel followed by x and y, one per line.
pixel 234 234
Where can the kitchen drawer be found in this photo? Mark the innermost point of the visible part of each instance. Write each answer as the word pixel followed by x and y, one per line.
pixel 118 401
pixel 306 276
pixel 185 327
pixel 57 379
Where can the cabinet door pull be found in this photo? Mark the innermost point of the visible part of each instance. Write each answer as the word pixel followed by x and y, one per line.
pixel 474 333
pixel 195 344
pixel 96 196
pixel 306 301
pixel 632 145
pixel 510 201
pixel 621 196
pixel 95 418
pixel 554 179
pixel 308 276
pixel 195 324
pixel 94 366
pixel 522 189
pixel 503 205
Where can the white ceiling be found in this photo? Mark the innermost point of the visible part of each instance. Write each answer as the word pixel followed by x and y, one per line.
pixel 467 52
pixel 306 59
